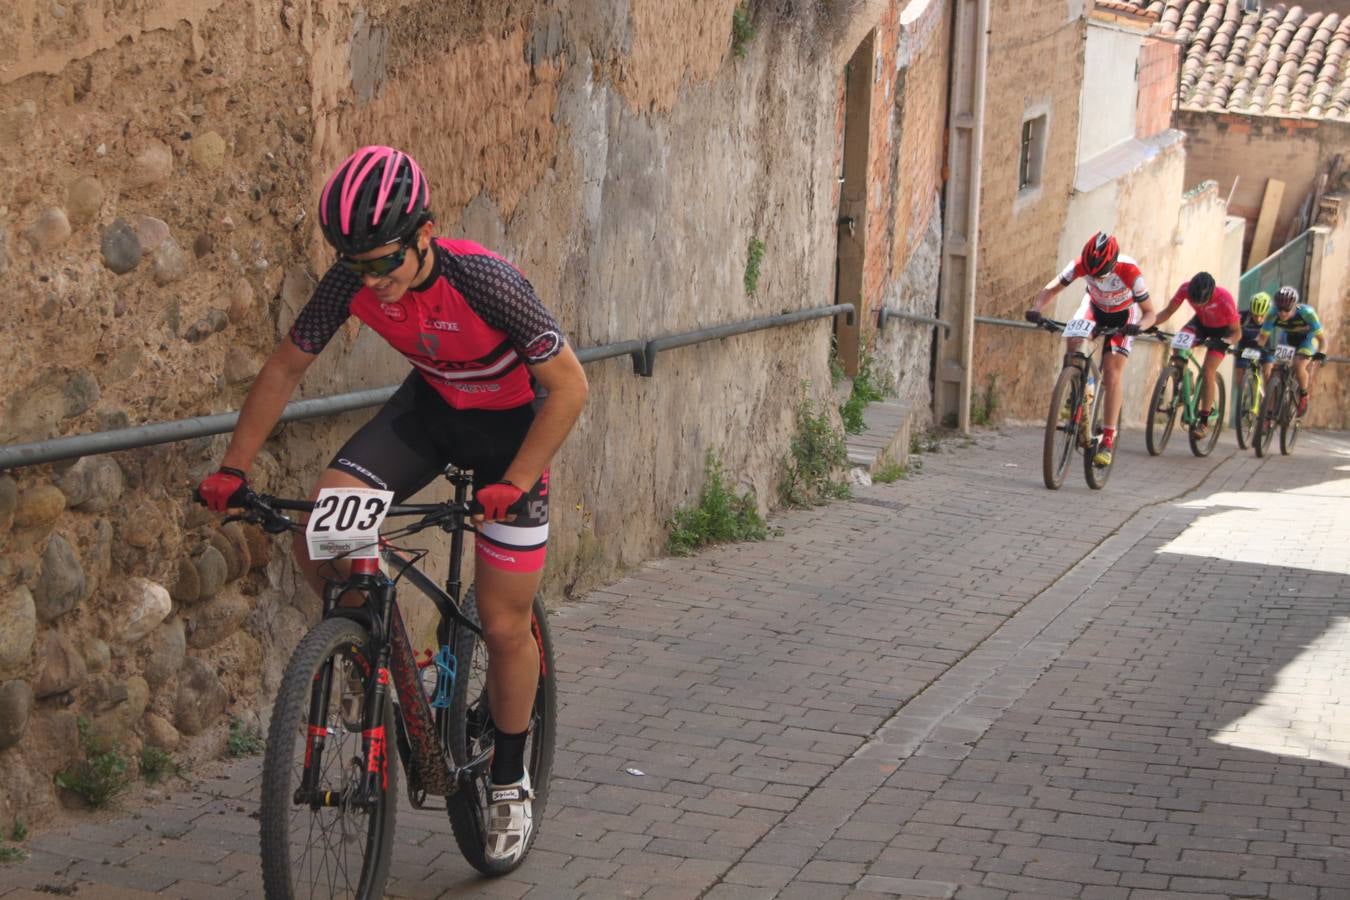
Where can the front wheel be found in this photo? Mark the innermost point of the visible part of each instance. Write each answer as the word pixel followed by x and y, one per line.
pixel 1096 475
pixel 1289 418
pixel 1247 411
pixel 1061 426
pixel 1162 409
pixel 469 733
pixel 1204 446
pixel 1269 419
pixel 320 837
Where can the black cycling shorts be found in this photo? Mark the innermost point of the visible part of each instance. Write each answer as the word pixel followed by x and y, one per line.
pixel 416 434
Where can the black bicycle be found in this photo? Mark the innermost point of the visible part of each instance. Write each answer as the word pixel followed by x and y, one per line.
pixel 1279 407
pixel 330 785
pixel 1075 418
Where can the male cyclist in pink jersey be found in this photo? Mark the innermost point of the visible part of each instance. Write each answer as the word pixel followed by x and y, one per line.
pixel 1116 297
pixel 494 387
pixel 1216 318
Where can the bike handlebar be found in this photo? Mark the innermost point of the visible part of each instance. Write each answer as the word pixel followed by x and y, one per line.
pixel 265 511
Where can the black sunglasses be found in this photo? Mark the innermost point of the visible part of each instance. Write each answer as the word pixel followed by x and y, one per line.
pixel 380 267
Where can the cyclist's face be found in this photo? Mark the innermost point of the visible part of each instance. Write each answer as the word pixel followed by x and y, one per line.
pixel 1284 313
pixel 391 285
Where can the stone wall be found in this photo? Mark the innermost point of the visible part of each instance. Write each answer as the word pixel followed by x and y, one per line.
pixel 908 142
pixel 1329 292
pixel 157 229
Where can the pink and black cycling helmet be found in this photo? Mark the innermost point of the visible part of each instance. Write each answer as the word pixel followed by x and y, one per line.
pixel 378 196
pixel 1099 254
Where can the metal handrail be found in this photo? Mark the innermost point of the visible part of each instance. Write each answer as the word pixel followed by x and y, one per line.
pixel 723 331
pixel 885 314
pixel 643 354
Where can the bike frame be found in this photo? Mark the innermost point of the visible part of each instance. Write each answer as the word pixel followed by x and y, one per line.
pixel 429 769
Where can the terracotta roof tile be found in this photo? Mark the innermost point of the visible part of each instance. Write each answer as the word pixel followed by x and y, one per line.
pixel 1281 61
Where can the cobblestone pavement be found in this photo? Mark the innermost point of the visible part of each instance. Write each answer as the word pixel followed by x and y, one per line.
pixel 957 685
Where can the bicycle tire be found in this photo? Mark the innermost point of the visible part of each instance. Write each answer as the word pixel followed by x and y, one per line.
pixel 1097 475
pixel 1267 422
pixel 1289 418
pixel 1060 431
pixel 1206 446
pixel 1244 424
pixel 283 763
pixel 469 731
pixel 1163 403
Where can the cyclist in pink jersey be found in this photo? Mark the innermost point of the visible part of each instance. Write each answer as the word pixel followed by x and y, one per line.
pixel 1116 298
pixel 1216 318
pixel 494 387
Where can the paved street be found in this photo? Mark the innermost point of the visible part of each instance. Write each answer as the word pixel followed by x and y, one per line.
pixel 957 685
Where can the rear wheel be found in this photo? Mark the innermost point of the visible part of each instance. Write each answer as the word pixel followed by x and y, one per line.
pixel 331 842
pixel 1162 409
pixel 1061 426
pixel 1205 445
pixel 470 732
pixel 1245 421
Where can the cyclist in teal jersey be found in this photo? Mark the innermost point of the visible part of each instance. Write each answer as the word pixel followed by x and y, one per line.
pixel 1302 329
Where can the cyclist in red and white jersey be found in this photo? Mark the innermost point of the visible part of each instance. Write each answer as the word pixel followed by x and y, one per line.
pixel 1116 297
pixel 494 387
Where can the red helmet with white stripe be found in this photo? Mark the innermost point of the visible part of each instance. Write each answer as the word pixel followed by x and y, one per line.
pixel 1099 254
pixel 378 196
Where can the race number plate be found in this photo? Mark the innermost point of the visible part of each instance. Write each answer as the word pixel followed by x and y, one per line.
pixel 1284 351
pixel 1251 353
pixel 346 522
pixel 1079 328
pixel 1183 340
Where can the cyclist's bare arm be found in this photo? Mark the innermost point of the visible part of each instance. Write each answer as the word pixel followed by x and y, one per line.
pixel 1147 316
pixel 266 400
pixel 1234 334
pixel 1166 314
pixel 565 381
pixel 1047 293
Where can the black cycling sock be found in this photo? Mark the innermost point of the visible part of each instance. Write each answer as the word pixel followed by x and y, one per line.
pixel 508 757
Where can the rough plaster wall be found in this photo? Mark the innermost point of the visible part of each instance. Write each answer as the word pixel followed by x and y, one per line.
pixel 1330 407
pixel 1109 90
pixel 626 188
pixel 1037 50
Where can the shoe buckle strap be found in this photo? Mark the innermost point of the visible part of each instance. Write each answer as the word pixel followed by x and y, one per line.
pixel 515 793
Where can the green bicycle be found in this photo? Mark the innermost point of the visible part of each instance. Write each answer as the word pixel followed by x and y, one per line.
pixel 1247 409
pixel 1177 390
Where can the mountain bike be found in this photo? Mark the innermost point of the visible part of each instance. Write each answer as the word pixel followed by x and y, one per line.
pixel 1248 402
pixel 1280 407
pixel 1075 409
pixel 329 782
pixel 1177 391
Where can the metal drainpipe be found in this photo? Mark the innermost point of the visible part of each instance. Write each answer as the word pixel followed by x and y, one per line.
pixel 973 201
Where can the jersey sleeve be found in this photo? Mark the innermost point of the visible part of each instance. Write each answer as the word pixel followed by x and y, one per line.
pixel 1138 288
pixel 1310 316
pixel 505 300
pixel 328 307
pixel 1072 272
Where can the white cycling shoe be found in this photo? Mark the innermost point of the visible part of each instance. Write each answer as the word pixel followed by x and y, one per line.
pixel 510 820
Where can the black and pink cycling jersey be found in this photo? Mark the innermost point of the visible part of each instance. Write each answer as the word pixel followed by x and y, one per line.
pixel 1115 290
pixel 469 329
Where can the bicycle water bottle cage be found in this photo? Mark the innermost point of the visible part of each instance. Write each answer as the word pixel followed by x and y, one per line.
pixel 445 678
pixel 1075 358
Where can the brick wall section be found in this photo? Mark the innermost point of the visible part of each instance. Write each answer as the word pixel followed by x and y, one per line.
pixel 1159 63
pixel 1224 146
pixel 905 153
pixel 1035 56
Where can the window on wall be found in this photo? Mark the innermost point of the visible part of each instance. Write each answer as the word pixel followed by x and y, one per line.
pixel 1033 153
